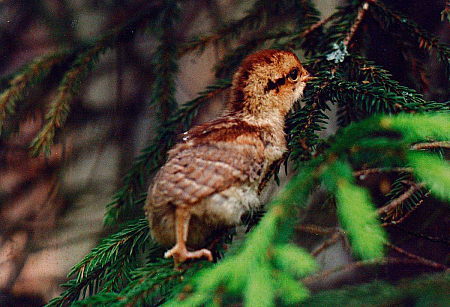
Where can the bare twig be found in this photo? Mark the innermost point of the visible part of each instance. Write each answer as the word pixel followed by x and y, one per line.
pixel 419 146
pixel 337 234
pixel 377 170
pixel 372 262
pixel 424 236
pixel 421 260
pixel 318 230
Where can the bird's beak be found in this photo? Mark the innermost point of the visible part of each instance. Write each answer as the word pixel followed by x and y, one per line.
pixel 307 77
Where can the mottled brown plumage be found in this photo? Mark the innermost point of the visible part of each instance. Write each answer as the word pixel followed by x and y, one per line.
pixel 211 177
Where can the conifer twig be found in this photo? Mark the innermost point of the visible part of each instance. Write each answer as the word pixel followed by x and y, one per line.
pixel 20 84
pixel 405 216
pixel 392 205
pixel 59 108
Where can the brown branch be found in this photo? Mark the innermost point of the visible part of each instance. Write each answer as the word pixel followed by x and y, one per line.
pixel 317 230
pixel 337 234
pixel 393 223
pixel 214 38
pixel 361 12
pixel 399 200
pixel 372 262
pixel 420 259
pixel 317 25
pixel 432 145
pixel 377 170
pixel 424 236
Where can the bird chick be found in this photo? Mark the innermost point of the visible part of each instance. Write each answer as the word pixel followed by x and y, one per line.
pixel 211 177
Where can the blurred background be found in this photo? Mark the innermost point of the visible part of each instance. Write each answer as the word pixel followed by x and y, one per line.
pixel 52 208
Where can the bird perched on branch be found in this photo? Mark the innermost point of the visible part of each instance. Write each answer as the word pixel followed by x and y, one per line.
pixel 211 178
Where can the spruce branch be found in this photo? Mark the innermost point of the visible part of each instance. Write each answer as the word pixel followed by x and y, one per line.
pixel 107 265
pixel 20 84
pixel 337 234
pixel 367 72
pixel 302 129
pixel 373 92
pixel 165 62
pixel 389 19
pixel 401 198
pixel 434 175
pixel 356 211
pixel 149 285
pixel 340 29
pixel 308 36
pixel 407 214
pixel 394 204
pixel 303 125
pixel 59 108
pixel 317 25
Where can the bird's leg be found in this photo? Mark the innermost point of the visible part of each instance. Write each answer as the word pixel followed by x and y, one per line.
pixel 179 251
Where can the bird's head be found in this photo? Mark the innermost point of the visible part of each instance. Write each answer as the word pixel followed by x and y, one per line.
pixel 268 83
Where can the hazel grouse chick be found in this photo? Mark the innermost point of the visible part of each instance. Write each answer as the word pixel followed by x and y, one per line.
pixel 211 177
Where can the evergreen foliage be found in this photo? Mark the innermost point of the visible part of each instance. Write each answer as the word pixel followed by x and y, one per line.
pixel 383 127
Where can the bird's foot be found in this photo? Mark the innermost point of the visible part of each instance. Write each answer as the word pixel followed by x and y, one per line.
pixel 181 254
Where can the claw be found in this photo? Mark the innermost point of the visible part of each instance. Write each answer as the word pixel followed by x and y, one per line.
pixel 181 254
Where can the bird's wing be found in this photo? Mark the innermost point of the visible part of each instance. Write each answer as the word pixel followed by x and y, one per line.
pixel 202 170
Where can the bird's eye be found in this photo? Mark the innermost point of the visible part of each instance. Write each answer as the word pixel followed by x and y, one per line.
pixel 293 75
